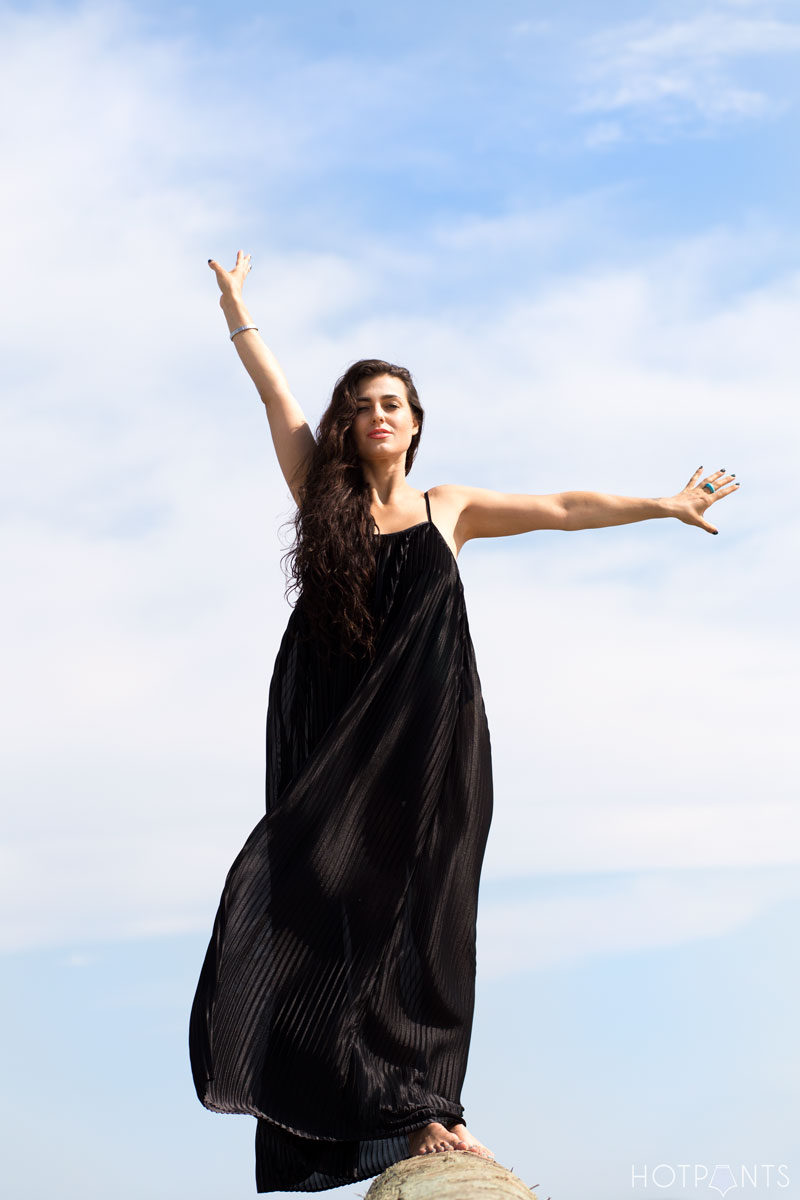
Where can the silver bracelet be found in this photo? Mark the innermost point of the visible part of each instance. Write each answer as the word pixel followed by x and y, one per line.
pixel 241 329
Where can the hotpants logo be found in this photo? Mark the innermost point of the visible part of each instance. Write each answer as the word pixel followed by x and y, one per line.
pixel 721 1178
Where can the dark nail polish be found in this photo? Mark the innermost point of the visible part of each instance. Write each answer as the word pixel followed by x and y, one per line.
pixel 715 531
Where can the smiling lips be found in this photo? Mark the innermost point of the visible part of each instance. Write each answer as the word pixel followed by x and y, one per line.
pixel 379 433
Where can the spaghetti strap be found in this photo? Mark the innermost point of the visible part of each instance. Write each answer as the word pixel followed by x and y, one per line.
pixel 428 506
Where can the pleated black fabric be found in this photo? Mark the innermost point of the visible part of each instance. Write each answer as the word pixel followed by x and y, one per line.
pixel 336 998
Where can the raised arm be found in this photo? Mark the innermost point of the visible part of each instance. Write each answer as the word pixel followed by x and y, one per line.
pixel 291 433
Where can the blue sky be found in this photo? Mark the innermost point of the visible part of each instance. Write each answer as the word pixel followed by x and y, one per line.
pixel 577 226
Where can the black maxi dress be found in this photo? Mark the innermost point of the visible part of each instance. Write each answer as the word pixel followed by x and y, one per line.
pixel 336 998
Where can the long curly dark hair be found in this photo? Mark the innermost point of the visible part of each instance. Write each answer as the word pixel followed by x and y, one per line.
pixel 332 561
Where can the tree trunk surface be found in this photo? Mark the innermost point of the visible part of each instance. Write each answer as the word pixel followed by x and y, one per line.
pixel 448 1175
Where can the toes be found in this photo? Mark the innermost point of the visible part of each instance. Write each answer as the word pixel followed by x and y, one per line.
pixel 431 1144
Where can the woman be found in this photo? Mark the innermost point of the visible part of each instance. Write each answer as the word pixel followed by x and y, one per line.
pixel 336 997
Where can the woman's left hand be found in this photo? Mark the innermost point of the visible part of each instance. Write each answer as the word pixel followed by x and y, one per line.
pixel 691 502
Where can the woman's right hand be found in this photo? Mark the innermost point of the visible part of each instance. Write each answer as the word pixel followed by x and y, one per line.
pixel 231 282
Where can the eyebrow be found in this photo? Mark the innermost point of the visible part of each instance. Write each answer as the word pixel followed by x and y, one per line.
pixel 388 396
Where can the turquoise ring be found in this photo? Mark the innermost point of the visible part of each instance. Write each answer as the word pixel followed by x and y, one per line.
pixel 709 487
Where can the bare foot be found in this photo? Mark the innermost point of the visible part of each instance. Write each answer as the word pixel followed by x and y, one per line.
pixel 434 1137
pixel 468 1142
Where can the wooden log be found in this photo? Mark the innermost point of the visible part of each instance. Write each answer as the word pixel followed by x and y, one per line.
pixel 448 1175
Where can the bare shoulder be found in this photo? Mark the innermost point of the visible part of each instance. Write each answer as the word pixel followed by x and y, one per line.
pixel 450 499
pixel 456 502
pixel 474 512
pixel 448 504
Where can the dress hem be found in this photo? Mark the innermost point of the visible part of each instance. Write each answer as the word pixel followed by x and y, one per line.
pixel 382 1133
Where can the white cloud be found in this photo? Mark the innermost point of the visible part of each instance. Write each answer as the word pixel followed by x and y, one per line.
pixel 529 28
pixel 604 133
pixel 682 69
pixel 641 913
pixel 143 505
pixel 527 232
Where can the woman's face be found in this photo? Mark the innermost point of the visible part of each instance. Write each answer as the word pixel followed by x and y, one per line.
pixel 382 404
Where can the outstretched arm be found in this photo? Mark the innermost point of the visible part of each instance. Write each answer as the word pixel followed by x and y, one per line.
pixel 291 433
pixel 484 513
pixel 591 510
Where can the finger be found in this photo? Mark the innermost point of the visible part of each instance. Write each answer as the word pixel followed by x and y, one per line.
pixel 717 480
pixel 242 263
pixel 726 490
pixel 694 477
